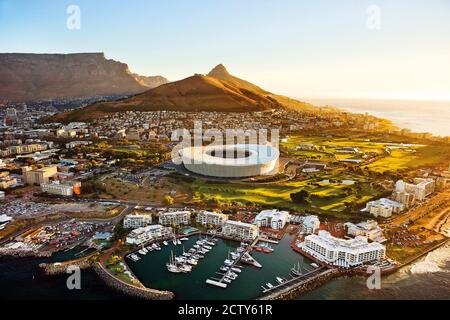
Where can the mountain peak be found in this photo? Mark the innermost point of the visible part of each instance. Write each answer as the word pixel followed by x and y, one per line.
pixel 219 71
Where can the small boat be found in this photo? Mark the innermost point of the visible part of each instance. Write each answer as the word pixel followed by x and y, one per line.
pixel 135 258
pixel 228 262
pixel 174 241
pixel 227 280
pixel 210 243
pixel 185 268
pixel 205 250
pixel 224 268
pixel 173 269
pixel 180 259
pixel 235 255
pixel 154 246
pixel 196 246
pixel 198 256
pixel 315 265
pixel 280 280
pixel 184 239
pixel 178 241
pixel 236 270
pixel 207 247
pixel 192 261
pixel 232 276
pixel 165 243
pixel 269 285
pixel 192 250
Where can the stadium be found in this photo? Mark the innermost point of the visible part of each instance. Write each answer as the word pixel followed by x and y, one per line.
pixel 231 161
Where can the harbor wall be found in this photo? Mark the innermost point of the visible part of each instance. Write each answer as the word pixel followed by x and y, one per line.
pixel 128 289
pixel 303 287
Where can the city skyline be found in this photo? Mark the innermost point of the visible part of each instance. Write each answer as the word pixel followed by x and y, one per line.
pixel 300 49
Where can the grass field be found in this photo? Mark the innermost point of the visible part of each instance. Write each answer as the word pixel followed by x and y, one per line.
pixel 407 158
pixel 418 158
pixel 324 198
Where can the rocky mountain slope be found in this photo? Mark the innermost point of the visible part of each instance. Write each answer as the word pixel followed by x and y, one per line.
pixel 218 91
pixel 28 77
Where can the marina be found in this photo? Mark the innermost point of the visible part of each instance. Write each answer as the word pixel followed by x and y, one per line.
pixel 210 279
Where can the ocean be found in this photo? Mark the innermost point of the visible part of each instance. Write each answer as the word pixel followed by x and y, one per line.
pixel 418 116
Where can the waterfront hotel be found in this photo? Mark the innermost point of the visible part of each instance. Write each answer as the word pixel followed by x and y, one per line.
pixel 175 218
pixel 211 218
pixel 240 230
pixel 142 235
pixel 341 252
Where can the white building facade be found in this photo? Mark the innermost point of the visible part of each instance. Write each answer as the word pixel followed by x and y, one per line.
pixel 384 207
pixel 175 218
pixel 211 218
pixel 272 219
pixel 134 221
pixel 341 252
pixel 237 229
pixel 310 224
pixel 150 233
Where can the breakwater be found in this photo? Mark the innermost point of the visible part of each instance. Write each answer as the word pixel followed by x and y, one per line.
pixel 295 289
pixel 128 289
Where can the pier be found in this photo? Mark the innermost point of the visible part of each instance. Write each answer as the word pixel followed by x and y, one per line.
pixel 297 285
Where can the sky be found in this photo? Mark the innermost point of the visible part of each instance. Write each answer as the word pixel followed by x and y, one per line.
pixel 379 49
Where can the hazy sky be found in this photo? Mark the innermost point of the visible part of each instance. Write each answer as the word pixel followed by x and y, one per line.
pixel 320 48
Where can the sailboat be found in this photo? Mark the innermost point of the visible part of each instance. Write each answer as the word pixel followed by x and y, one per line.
pixel 297 270
pixel 171 265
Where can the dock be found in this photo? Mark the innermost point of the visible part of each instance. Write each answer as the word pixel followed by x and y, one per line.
pixel 217 283
pixel 300 283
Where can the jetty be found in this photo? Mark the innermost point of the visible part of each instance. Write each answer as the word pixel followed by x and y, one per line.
pixel 299 284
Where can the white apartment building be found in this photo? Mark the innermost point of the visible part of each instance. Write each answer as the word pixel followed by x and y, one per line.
pixel 310 224
pixel 134 221
pixel 384 207
pixel 65 190
pixel 175 218
pixel 142 235
pixel 421 188
pixel 272 218
pixel 369 229
pixel 237 229
pixel 341 252
pixel 211 218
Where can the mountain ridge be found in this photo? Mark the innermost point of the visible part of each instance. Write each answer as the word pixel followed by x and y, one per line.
pixel 216 91
pixel 26 77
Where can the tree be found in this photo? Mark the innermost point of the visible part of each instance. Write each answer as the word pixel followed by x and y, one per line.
pixel 300 197
pixel 168 200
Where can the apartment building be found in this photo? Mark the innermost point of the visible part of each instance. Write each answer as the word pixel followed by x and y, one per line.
pixel 240 230
pixel 211 218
